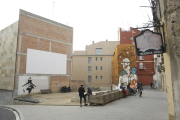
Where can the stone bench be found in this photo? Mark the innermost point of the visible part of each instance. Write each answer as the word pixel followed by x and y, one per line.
pixel 45 91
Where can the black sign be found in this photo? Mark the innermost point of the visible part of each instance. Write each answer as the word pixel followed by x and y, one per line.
pixel 149 43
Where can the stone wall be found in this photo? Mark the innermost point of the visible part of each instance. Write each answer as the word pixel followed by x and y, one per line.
pixel 6 97
pixel 172 14
pixel 8 44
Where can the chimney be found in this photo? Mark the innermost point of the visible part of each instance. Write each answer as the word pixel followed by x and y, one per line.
pixel 92 42
pixel 106 40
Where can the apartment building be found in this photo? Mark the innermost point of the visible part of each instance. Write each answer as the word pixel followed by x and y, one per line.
pixel 94 64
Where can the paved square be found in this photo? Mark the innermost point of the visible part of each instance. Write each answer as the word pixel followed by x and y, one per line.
pixel 152 105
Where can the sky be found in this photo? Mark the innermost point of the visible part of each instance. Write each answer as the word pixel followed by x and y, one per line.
pixel 92 20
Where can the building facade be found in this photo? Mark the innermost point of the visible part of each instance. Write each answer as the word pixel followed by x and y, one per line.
pixel 94 65
pixel 159 79
pixel 35 54
pixel 144 64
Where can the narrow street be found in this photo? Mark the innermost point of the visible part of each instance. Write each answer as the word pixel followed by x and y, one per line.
pixel 152 105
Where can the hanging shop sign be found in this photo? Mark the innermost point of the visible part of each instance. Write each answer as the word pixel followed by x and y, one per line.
pixel 149 43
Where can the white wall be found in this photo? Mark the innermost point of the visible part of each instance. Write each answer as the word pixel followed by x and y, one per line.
pixel 41 82
pixel 42 62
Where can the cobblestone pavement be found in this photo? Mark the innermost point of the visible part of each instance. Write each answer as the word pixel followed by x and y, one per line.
pixel 152 105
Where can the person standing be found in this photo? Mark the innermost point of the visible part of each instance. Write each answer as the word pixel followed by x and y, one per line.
pixel 137 87
pixel 151 84
pixel 89 92
pixel 81 95
pixel 140 89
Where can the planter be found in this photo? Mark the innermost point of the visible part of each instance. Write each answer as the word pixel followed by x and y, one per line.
pixel 128 92
pixel 116 94
pixel 122 94
pixel 97 99
pixel 111 95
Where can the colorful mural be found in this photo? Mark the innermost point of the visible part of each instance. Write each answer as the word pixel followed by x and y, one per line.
pixel 124 65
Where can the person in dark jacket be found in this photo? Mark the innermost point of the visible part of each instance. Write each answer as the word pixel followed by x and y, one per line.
pixel 69 89
pixel 81 95
pixel 151 84
pixel 140 89
pixel 89 92
pixel 123 89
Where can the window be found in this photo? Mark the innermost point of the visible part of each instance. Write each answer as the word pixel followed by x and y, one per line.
pixel 96 77
pixel 101 67
pixel 131 38
pixel 89 79
pixel 96 68
pixel 89 60
pixel 89 69
pixel 101 58
pixel 101 77
pixel 96 58
pixel 141 66
pixel 98 51
pixel 141 57
pixel 124 37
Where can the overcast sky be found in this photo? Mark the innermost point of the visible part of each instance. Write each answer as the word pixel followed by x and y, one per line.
pixel 92 20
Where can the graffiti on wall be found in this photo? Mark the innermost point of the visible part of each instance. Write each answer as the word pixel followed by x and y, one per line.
pixel 28 86
pixel 32 84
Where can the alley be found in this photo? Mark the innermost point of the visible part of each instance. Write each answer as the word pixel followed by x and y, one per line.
pixel 151 106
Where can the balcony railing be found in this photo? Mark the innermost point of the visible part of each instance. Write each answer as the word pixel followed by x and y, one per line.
pixel 141 57
pixel 142 67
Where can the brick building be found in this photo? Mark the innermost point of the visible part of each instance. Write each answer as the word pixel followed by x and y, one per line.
pixel 144 64
pixel 37 49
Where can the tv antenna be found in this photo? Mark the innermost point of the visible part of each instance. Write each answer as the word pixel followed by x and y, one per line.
pixel 53 9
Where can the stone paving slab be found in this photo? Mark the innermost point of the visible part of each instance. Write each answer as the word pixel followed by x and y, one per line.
pixel 152 105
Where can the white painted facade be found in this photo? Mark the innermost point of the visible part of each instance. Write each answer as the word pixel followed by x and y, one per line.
pixel 42 62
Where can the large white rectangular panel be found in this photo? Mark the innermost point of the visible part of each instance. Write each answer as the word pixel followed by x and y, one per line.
pixel 42 62
pixel 38 82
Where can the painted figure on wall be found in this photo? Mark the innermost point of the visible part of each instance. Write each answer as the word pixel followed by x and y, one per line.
pixel 133 70
pixel 29 85
pixel 126 68
pixel 128 74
